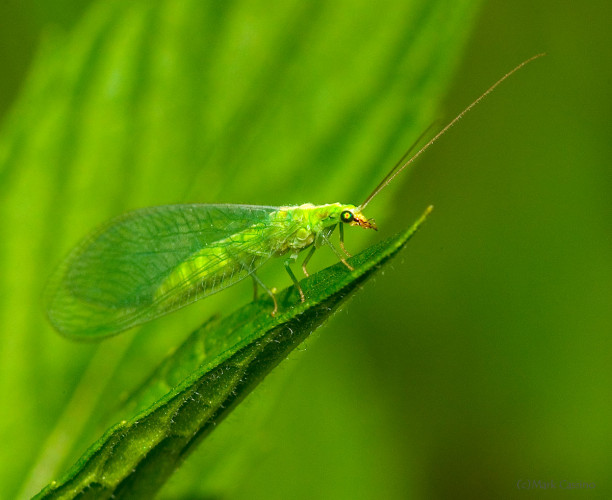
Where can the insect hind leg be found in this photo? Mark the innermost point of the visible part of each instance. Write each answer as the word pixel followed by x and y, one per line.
pixel 257 281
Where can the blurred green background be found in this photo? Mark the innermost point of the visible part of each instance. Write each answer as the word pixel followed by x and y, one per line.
pixel 481 359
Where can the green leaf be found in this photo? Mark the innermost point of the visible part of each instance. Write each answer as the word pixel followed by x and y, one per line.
pixel 135 458
pixel 150 102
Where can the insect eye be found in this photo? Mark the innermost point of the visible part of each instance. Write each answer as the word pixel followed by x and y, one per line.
pixel 347 216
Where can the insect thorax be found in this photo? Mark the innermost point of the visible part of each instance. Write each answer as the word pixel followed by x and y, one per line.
pixel 288 230
pixel 305 222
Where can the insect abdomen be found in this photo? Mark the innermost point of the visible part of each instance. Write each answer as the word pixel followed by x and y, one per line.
pixel 210 269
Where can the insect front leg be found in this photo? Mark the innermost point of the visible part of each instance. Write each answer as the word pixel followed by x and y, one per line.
pixel 324 237
pixel 293 278
pixel 341 257
pixel 341 229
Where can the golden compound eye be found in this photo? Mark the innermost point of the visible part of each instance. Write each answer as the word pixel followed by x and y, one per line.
pixel 347 216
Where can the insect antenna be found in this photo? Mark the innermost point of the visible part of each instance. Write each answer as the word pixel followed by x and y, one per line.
pixel 401 166
pixel 400 162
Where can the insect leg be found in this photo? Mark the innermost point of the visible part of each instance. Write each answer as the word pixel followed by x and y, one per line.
pixel 255 294
pixel 294 279
pixel 307 259
pixel 338 254
pixel 257 281
pixel 341 229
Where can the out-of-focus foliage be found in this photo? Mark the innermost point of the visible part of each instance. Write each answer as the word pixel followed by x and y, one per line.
pixel 492 338
pixel 142 103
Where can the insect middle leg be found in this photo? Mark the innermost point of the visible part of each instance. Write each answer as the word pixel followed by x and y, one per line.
pixel 307 259
pixel 293 278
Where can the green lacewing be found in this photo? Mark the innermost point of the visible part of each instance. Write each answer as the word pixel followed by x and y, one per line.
pixel 152 261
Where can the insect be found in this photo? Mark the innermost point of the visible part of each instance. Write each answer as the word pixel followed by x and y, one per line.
pixel 149 262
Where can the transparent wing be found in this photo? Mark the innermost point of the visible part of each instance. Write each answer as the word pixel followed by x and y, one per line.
pixel 149 262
